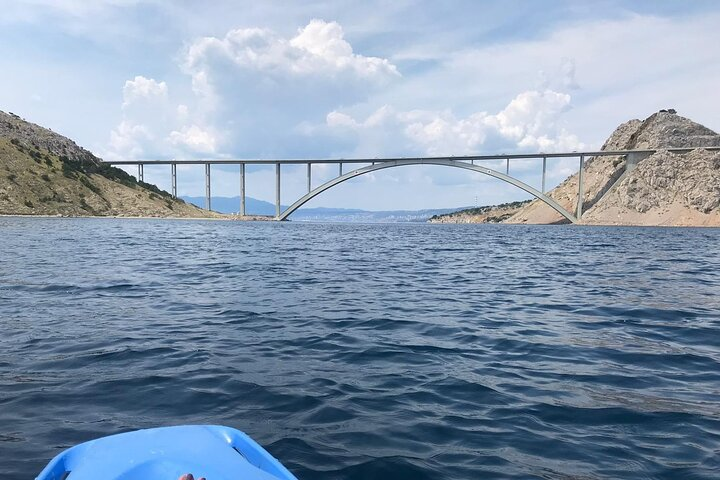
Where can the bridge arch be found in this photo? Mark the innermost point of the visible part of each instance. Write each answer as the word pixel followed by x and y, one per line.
pixel 448 163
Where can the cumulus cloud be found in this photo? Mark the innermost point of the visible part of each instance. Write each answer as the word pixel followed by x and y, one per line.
pixel 259 88
pixel 194 138
pixel 530 122
pixel 253 90
pixel 319 49
pixel 141 89
pixel 127 139
pixel 152 126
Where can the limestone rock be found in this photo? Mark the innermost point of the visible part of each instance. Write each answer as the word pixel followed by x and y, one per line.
pixel 661 180
pixel 685 183
pixel 32 136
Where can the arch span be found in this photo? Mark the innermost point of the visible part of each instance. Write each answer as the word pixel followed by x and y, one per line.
pixel 448 163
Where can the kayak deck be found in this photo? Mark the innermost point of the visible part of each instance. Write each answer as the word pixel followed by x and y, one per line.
pixel 214 452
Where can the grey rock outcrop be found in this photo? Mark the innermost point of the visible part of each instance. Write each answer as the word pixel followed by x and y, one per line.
pixel 665 178
pixel 667 130
pixel 32 135
pixel 690 180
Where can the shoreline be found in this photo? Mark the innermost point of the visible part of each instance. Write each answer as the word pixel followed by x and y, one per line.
pixel 223 217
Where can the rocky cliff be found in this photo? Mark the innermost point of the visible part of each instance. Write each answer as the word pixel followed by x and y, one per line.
pixel 43 173
pixel 664 189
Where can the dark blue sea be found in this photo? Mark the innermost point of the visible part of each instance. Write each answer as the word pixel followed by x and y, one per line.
pixel 368 351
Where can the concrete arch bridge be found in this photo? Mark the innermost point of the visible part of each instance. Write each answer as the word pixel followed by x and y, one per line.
pixel 367 165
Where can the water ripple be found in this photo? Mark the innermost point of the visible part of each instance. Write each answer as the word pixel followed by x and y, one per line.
pixel 369 351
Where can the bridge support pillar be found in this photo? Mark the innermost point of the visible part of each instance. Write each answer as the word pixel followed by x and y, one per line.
pixel 208 205
pixel 581 189
pixel 339 169
pixel 277 190
pixel 140 173
pixel 242 189
pixel 507 166
pixel 543 174
pixel 309 177
pixel 632 159
pixel 173 174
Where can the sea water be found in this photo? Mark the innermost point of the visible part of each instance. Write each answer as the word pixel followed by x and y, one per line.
pixel 399 351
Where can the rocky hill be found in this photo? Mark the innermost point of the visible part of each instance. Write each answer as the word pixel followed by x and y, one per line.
pixel 487 214
pixel 43 173
pixel 664 188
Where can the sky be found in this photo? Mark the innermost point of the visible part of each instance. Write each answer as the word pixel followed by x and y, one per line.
pixel 135 79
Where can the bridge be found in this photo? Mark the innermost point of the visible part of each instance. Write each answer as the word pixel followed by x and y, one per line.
pixel 366 165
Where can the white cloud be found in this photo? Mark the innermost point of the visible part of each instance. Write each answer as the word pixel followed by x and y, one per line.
pixel 252 89
pixel 127 140
pixel 319 49
pixel 530 122
pixel 626 67
pixel 153 127
pixel 195 139
pixel 142 89
pixel 257 90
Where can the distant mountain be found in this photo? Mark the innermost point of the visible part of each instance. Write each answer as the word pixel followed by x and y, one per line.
pixel 254 206
pixel 351 215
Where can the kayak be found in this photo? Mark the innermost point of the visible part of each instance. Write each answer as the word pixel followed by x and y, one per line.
pixel 211 451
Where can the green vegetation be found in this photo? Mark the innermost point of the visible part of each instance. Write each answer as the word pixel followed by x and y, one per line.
pixel 151 187
pixel 34 153
pixel 498 218
pixel 85 164
pixel 91 165
pixel 484 210
pixel 89 185
pixel 54 198
pixel 84 205
pixel 68 171
pixel 29 204
pixel 45 177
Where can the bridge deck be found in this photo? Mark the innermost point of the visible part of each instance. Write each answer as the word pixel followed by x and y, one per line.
pixel 477 158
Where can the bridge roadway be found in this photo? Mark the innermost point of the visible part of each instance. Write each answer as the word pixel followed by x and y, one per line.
pixel 468 162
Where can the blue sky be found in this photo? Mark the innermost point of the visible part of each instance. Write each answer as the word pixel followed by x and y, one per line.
pixel 315 79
